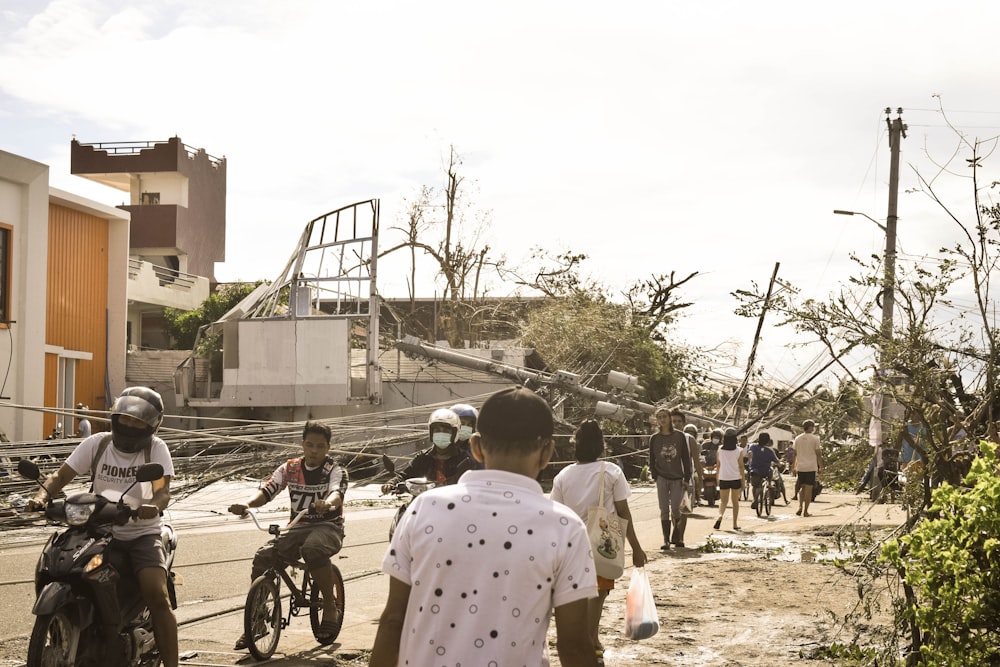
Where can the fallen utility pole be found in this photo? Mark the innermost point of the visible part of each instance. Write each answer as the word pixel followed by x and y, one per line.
pixel 413 347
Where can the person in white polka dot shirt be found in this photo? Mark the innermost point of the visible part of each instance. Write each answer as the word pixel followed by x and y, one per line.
pixel 477 568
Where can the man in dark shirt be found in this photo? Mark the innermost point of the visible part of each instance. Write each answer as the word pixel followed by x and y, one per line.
pixel 670 466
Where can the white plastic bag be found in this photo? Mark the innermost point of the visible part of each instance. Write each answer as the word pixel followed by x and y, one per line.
pixel 641 621
pixel 686 503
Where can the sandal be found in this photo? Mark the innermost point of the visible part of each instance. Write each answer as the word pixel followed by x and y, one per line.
pixel 327 632
pixel 241 643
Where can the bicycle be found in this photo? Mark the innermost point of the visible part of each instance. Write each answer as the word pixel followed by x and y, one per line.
pixel 262 617
pixel 763 495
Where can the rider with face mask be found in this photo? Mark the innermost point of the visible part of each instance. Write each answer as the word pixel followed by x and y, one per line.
pixel 469 416
pixel 445 460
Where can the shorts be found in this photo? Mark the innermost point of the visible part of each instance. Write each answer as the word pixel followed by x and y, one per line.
pixel 806 478
pixel 731 484
pixel 605 584
pixel 144 551
pixel 313 544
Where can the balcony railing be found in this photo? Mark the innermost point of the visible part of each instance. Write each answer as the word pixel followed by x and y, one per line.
pixel 166 287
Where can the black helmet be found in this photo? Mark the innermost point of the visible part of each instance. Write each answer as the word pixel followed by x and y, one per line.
pixel 143 404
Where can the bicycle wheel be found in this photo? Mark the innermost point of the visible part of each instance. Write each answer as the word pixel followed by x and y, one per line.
pixel 316 606
pixel 262 617
pixel 757 500
pixel 768 499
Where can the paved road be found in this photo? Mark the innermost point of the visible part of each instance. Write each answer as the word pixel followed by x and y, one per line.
pixel 214 560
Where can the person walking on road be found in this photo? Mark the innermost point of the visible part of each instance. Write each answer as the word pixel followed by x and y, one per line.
pixel 83 428
pixel 732 477
pixel 670 465
pixel 476 569
pixel 578 486
pixel 808 465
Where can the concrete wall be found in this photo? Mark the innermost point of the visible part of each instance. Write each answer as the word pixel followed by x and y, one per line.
pixel 24 206
pixel 288 363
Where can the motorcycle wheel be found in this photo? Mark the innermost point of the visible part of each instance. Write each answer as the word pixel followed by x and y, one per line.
pixel 262 617
pixel 316 606
pixel 53 641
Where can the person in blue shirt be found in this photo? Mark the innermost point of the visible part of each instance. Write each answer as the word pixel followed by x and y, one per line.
pixel 912 437
pixel 761 459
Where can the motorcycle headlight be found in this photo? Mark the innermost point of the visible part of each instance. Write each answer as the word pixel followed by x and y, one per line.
pixel 77 515
pixel 418 485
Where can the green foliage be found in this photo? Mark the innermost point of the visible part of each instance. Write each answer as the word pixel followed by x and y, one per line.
pixel 951 561
pixel 588 334
pixel 183 326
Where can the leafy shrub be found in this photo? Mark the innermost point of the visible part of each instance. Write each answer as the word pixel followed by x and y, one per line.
pixel 950 567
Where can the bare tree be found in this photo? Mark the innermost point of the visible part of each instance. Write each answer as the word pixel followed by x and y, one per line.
pixel 460 257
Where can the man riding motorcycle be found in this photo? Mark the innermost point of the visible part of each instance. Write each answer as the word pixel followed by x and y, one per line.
pixel 135 417
pixel 445 460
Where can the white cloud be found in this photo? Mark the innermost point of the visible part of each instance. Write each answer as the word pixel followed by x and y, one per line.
pixel 653 136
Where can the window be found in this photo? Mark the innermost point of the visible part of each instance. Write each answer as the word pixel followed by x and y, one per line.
pixel 150 198
pixel 6 232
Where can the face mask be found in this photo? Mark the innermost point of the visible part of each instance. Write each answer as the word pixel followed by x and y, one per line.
pixel 715 441
pixel 441 440
pixel 464 432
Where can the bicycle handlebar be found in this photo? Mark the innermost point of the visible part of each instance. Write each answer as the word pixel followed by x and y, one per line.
pixel 295 519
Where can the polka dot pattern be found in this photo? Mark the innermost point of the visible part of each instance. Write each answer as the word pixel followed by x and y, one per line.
pixel 486 560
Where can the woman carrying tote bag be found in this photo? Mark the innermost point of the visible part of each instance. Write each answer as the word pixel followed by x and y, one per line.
pixel 578 486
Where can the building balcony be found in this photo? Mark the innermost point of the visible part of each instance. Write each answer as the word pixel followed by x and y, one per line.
pixel 162 287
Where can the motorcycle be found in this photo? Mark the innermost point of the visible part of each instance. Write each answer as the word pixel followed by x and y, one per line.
pixel 777 485
pixel 87 607
pixel 412 488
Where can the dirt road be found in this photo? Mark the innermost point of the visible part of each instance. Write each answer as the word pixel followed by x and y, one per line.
pixel 760 596
pixel 729 599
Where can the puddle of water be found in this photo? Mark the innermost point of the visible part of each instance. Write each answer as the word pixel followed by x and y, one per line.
pixel 782 547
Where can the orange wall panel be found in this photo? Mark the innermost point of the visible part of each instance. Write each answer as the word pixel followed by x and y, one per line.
pixel 77 304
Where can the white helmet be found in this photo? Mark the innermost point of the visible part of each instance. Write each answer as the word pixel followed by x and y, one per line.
pixel 444 416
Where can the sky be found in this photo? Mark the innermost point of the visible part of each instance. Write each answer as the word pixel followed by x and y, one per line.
pixel 654 137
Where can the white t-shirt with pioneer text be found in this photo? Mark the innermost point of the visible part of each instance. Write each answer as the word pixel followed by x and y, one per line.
pixel 115 472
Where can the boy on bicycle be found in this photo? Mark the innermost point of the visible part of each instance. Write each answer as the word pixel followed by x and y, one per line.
pixel 310 479
pixel 761 459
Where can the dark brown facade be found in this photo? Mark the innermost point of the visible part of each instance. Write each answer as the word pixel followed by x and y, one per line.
pixel 197 229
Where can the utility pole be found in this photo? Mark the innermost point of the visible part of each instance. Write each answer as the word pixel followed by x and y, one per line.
pixel 897 132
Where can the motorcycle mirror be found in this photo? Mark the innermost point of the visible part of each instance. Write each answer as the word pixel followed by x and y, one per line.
pixel 28 469
pixel 387 463
pixel 148 472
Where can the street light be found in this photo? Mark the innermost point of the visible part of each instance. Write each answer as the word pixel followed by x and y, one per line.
pixel 889 272
pixel 880 225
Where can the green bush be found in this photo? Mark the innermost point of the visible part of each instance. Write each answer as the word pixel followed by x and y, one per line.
pixel 950 567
